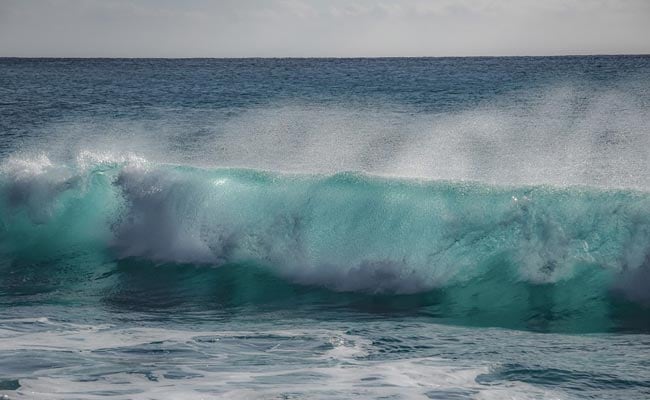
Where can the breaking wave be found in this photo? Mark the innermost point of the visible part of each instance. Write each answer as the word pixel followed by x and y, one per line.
pixel 346 232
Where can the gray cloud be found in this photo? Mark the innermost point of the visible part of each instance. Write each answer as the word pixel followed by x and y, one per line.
pixel 230 28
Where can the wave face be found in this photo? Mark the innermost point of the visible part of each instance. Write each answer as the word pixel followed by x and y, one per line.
pixel 485 247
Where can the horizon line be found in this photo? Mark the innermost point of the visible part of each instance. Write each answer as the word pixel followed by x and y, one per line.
pixel 315 57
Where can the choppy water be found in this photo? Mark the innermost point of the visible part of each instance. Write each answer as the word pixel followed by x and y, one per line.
pixel 382 228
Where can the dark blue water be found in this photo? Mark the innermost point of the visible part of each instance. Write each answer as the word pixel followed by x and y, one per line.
pixel 325 228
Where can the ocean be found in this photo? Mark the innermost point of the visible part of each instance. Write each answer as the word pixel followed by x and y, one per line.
pixel 398 228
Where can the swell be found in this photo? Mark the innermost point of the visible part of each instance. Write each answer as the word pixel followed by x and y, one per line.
pixel 347 232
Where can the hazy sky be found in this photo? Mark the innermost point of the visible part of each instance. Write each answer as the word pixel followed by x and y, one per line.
pixel 304 28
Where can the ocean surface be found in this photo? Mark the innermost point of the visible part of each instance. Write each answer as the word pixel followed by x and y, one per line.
pixel 434 228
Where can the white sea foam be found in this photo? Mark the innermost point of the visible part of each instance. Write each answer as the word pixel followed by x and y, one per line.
pixel 340 371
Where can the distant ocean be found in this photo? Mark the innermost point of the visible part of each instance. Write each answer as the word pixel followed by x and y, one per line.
pixel 441 228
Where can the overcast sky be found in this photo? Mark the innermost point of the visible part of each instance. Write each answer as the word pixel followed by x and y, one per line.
pixel 312 28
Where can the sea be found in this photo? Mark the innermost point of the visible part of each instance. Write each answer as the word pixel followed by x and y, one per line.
pixel 376 228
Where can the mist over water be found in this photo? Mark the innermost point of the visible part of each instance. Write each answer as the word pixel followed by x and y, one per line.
pixel 559 121
pixel 556 137
pixel 386 220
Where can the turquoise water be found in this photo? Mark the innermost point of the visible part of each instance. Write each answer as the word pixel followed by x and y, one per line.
pixel 377 228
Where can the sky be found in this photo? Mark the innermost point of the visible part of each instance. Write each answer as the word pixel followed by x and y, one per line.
pixel 322 28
